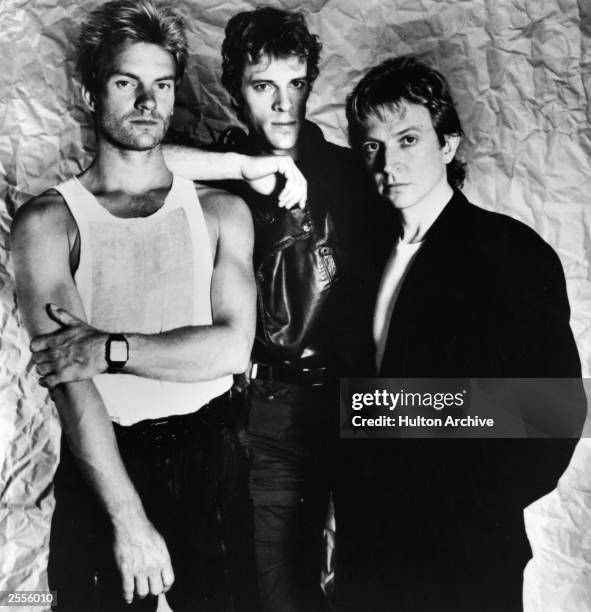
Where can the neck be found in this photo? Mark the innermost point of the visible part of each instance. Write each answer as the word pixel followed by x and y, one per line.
pixel 293 152
pixel 262 147
pixel 416 220
pixel 133 172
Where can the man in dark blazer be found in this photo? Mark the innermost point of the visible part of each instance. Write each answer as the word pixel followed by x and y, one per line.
pixel 460 292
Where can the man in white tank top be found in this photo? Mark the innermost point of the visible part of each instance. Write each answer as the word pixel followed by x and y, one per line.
pixel 151 480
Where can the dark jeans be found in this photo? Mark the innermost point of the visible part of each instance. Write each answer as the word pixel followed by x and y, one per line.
pixel 290 437
pixel 191 475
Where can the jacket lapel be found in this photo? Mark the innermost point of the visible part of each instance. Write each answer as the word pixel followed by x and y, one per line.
pixel 424 282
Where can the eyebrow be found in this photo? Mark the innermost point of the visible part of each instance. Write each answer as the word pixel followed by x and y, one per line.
pixel 257 80
pixel 130 75
pixel 410 128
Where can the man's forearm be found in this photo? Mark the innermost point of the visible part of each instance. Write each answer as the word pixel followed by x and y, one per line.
pixel 201 165
pixel 90 436
pixel 186 354
pixel 259 171
pixel 140 553
pixel 189 354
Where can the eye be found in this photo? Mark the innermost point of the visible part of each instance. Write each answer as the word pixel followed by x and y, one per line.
pixel 165 86
pixel 408 140
pixel 123 84
pixel 370 147
pixel 299 84
pixel 262 86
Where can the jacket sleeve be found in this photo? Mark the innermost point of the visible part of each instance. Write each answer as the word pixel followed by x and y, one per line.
pixel 540 337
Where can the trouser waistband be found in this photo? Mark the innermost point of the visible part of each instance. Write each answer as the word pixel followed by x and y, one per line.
pixel 175 427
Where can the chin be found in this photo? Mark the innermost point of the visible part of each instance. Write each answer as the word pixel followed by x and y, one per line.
pixel 282 141
pixel 141 145
pixel 282 145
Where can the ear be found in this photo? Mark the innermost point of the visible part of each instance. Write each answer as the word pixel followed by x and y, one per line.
pixel 89 99
pixel 452 142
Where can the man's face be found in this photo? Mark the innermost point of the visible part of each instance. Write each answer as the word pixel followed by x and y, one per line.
pixel 275 92
pixel 403 154
pixel 136 101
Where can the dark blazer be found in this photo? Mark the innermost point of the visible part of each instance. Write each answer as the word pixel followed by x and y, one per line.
pixel 437 524
pixel 485 297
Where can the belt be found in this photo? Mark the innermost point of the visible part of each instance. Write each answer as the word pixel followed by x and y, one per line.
pixel 290 374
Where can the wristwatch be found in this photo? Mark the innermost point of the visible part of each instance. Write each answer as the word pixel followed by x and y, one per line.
pixel 116 352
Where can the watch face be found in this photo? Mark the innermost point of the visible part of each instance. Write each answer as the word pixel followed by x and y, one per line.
pixel 118 350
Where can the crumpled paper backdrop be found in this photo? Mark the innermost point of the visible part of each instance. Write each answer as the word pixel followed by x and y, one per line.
pixel 520 73
pixel 557 579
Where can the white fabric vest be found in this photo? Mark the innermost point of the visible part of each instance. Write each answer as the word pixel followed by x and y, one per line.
pixel 145 275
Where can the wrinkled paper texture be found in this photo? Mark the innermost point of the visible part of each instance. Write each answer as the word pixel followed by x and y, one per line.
pixel 558 527
pixel 519 70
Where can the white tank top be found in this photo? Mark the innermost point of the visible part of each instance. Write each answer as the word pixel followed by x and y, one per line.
pixel 145 275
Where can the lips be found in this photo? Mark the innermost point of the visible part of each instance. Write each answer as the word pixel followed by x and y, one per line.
pixel 287 125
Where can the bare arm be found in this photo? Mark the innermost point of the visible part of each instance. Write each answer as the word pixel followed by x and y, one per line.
pixel 260 172
pixel 40 248
pixel 184 354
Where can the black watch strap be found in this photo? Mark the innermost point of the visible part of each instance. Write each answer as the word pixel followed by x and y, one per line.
pixel 116 352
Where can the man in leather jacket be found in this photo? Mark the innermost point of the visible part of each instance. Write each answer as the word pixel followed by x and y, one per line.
pixel 270 61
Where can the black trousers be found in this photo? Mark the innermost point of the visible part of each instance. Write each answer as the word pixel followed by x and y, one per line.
pixel 290 440
pixel 191 475
pixel 437 525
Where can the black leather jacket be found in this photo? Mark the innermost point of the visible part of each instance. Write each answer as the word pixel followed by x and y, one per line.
pixel 302 256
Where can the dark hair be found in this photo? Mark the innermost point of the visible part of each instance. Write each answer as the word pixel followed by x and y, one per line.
pixel 405 79
pixel 265 31
pixel 118 21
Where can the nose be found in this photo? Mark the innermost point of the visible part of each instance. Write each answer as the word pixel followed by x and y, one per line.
pixel 145 99
pixel 391 160
pixel 282 102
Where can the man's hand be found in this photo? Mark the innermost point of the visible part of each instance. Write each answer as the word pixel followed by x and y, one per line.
pixel 142 558
pixel 260 173
pixel 74 352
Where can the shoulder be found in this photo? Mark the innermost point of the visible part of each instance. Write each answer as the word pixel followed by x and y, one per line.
pixel 509 240
pixel 506 229
pixel 221 204
pixel 224 210
pixel 315 144
pixel 44 215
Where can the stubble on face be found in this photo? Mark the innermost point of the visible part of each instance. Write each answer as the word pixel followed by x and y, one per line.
pixel 136 101
pixel 132 131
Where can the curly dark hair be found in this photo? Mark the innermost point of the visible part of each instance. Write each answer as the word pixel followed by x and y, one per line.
pixel 117 21
pixel 265 31
pixel 400 79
